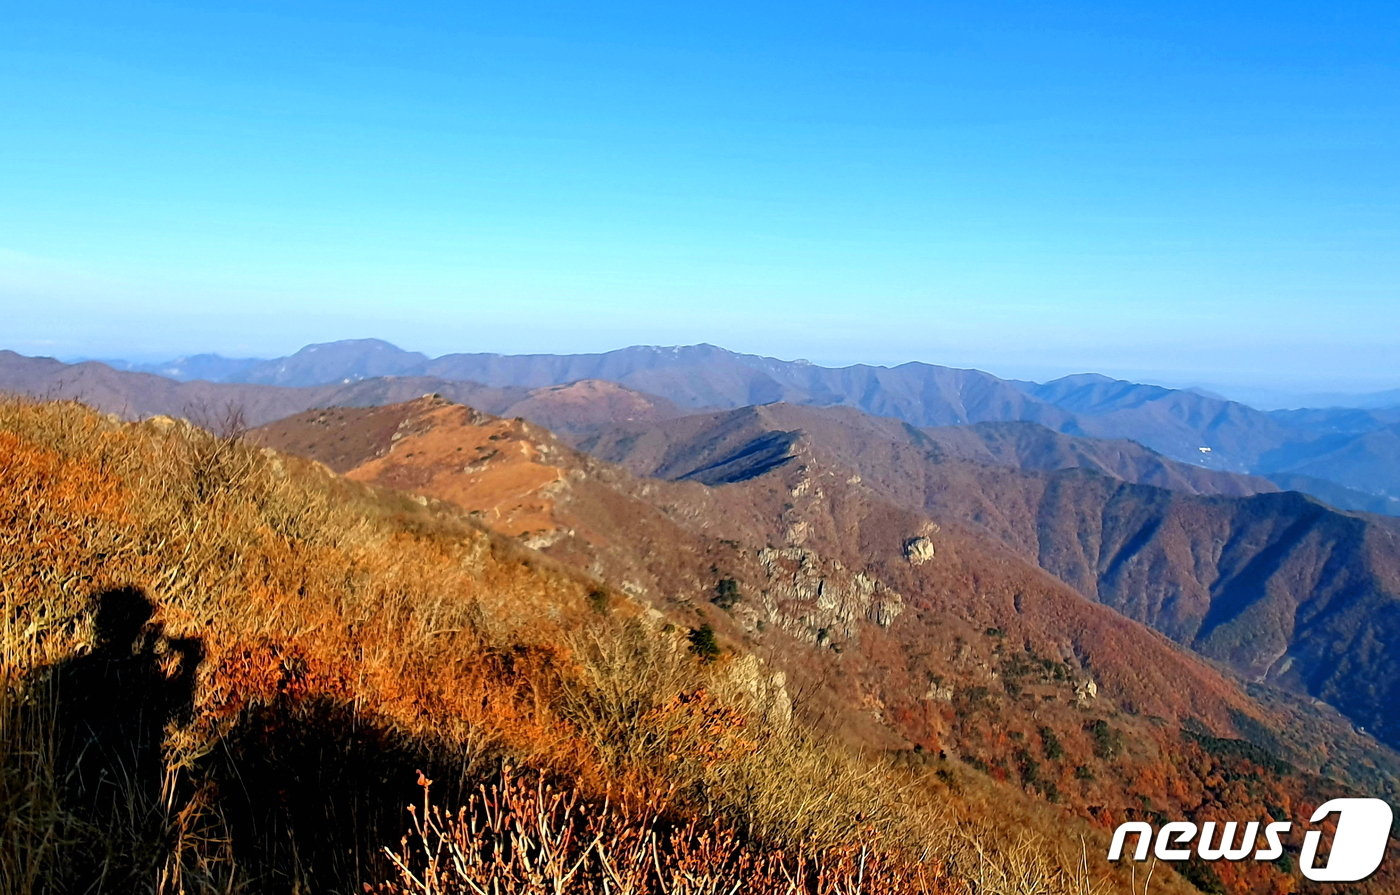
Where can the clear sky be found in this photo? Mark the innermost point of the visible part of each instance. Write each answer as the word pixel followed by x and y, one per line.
pixel 1192 192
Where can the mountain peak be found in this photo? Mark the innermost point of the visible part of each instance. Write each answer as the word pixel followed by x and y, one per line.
pixel 345 361
pixel 700 350
pixel 1080 379
pixel 355 345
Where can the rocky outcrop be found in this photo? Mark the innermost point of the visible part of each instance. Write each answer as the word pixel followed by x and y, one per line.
pixel 821 600
pixel 918 550
pixel 767 692
pixel 1086 691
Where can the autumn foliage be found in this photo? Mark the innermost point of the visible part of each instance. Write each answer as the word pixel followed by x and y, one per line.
pixel 335 639
pixel 322 648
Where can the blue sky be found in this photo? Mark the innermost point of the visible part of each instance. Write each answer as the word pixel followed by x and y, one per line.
pixel 1182 192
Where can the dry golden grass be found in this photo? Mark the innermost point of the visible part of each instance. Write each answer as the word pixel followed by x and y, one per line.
pixel 336 637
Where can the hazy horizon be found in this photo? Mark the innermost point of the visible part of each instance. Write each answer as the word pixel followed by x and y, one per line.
pixel 1015 367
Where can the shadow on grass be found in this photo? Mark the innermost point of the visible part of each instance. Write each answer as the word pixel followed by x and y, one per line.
pixel 109 708
pixel 303 793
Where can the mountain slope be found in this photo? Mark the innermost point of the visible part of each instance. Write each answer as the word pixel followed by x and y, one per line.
pixel 345 361
pixel 135 395
pixel 1341 497
pixel 1032 447
pixel 1276 585
pixel 945 640
pixel 1367 461
pixel 1174 422
pixel 691 376
pixel 486 464
pixel 208 367
pixel 220 667
pixel 707 376
pixel 576 409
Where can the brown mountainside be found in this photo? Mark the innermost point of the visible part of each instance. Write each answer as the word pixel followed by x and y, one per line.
pixel 1278 586
pixel 915 637
pixel 220 667
pixel 521 479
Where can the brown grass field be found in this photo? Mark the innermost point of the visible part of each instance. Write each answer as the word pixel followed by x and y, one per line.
pixel 227 670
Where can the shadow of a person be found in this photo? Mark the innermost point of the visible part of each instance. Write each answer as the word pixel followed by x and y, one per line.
pixel 111 707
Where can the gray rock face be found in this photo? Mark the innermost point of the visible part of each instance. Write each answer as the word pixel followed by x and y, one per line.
pixel 821 600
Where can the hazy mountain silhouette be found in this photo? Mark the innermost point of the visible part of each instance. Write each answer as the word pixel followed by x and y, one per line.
pixel 1341 497
pixel 1366 461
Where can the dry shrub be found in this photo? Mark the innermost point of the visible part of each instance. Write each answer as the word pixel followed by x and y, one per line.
pixel 518 837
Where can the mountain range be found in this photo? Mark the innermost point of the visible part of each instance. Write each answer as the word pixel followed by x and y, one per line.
pixel 1102 483
pixel 784 652
pixel 1349 457
pixel 935 564
pixel 841 571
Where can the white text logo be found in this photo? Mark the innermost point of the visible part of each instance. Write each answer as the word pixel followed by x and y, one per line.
pixel 1363 831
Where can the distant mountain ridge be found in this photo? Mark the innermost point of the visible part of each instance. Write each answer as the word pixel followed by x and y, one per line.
pixel 578 406
pixel 577 411
pixel 1359 466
